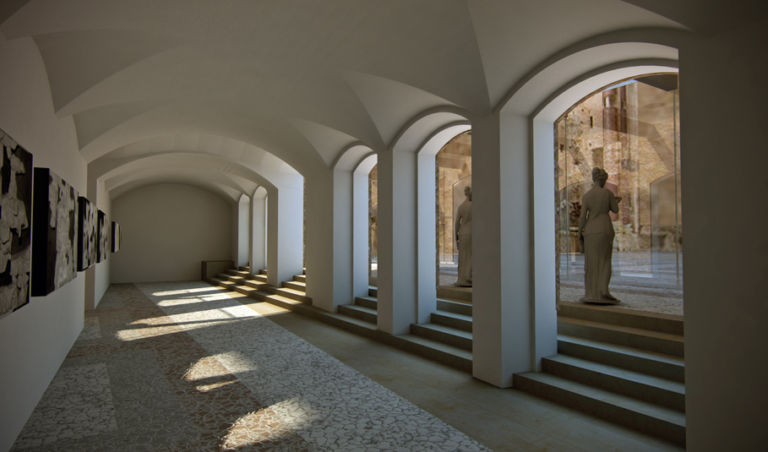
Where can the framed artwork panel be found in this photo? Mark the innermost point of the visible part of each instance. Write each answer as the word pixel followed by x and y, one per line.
pixel 55 226
pixel 87 233
pixel 15 224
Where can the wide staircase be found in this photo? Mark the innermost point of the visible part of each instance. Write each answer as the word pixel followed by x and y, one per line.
pixel 447 338
pixel 289 295
pixel 619 365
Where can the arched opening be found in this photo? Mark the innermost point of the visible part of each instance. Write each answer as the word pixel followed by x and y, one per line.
pixel 453 174
pixel 631 129
pixel 373 205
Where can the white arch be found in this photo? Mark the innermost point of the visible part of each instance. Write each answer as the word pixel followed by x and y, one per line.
pixel 543 190
pixel 516 284
pixel 406 171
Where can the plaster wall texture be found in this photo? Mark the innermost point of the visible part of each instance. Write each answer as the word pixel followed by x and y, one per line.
pixel 35 339
pixel 725 245
pixel 168 229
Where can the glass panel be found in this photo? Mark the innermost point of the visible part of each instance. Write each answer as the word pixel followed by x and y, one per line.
pixel 453 168
pixel 372 230
pixel 631 130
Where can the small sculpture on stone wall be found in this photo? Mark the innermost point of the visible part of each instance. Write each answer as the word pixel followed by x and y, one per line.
pixel 463 229
pixel 596 235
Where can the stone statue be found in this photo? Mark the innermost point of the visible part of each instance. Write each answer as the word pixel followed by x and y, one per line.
pixel 596 237
pixel 463 228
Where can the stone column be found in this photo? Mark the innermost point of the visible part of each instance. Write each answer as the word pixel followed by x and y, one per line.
pixel 258 230
pixel 397 241
pixel 284 256
pixel 504 303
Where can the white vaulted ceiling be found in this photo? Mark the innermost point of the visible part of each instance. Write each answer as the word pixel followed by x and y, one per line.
pixel 283 87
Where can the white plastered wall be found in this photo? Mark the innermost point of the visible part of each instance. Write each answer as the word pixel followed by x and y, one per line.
pixel 724 189
pixel 188 225
pixel 35 339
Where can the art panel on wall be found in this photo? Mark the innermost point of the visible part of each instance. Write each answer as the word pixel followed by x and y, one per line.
pixel 55 224
pixel 15 224
pixel 87 234
pixel 115 237
pixel 102 250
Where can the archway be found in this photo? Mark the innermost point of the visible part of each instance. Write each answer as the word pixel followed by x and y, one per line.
pixel 630 128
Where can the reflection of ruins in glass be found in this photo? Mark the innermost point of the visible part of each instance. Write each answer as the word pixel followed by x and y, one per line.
pixel 372 230
pixel 453 165
pixel 630 129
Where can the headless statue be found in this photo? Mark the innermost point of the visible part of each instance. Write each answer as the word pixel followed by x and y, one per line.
pixel 463 228
pixel 596 236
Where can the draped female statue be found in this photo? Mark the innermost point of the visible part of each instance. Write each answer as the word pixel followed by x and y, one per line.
pixel 596 234
pixel 463 230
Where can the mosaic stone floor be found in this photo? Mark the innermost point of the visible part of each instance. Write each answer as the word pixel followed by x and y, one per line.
pixel 193 369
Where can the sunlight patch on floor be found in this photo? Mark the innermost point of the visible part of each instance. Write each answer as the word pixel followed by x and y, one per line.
pixel 165 293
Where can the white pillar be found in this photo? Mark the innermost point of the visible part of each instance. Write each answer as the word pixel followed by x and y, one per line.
pixel 285 214
pixel 258 230
pixel 544 296
pixel 501 242
pixel 243 231
pixel 426 237
pixel 342 238
pixel 397 269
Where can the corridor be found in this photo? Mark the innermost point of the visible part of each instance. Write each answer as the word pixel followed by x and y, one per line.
pixel 187 366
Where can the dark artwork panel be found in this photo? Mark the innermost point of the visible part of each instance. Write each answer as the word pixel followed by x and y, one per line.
pixel 87 223
pixel 115 237
pixel 55 226
pixel 15 224
pixel 102 250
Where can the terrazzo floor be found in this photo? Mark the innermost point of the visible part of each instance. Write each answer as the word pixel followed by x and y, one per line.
pixel 187 366
pixel 159 369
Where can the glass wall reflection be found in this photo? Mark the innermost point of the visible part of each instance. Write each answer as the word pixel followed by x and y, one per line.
pixel 453 167
pixel 373 205
pixel 631 129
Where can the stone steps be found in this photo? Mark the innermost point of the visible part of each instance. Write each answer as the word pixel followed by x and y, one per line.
pixel 617 364
pixel 643 339
pixel 662 323
pixel 295 285
pixel 445 334
pixel 368 302
pixel 656 364
pixel 257 286
pixel 639 415
pixel 450 319
pixel 359 312
pixel 659 391
pixel 454 307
